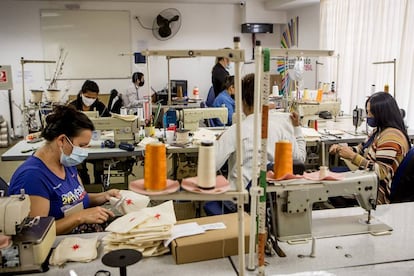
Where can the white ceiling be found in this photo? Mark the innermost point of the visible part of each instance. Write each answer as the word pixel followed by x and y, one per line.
pixel 269 4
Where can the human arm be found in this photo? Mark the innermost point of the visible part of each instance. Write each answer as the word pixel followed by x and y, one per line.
pixel 97 199
pixel 39 206
pixel 383 156
pixel 299 152
pixel 225 146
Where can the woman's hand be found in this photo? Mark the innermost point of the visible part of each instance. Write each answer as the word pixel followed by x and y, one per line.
pixel 294 117
pixel 112 193
pixel 95 215
pixel 343 151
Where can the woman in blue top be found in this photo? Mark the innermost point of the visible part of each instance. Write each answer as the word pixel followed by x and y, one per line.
pixel 50 177
pixel 225 99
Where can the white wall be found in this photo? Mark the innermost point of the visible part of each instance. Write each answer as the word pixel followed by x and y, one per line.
pixel 204 26
pixel 308 37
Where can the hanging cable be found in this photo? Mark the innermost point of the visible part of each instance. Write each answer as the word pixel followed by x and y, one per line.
pixel 140 23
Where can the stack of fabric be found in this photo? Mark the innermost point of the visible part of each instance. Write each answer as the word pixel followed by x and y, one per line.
pixel 143 230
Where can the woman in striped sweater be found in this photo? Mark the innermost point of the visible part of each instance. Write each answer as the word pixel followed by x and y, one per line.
pixel 385 148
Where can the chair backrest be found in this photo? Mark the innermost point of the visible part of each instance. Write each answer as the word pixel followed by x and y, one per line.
pixel 210 97
pixel 402 186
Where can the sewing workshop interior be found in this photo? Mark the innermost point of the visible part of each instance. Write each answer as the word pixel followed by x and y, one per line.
pixel 206 137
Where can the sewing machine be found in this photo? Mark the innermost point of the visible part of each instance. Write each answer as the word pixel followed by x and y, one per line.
pixel 31 238
pixel 357 117
pixel 191 117
pixel 123 129
pixel 310 110
pixel 295 199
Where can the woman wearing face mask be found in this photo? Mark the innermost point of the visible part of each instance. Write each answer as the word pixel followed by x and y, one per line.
pixel 87 99
pixel 385 147
pixel 219 74
pixel 51 179
pixel 134 93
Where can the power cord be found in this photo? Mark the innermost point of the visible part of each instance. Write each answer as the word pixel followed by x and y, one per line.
pixel 139 22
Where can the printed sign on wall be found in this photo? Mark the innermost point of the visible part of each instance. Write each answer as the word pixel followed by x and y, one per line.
pixel 6 82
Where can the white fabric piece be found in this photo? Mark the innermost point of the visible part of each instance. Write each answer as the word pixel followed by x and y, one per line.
pixel 75 249
pixel 131 202
pixel 143 230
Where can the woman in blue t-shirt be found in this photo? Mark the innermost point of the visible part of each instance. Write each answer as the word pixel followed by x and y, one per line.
pixel 225 98
pixel 50 177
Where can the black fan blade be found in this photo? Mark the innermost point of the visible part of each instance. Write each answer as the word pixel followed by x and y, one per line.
pixel 164 31
pixel 162 21
pixel 175 18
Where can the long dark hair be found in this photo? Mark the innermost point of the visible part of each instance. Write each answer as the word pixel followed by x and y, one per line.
pixel 66 120
pixel 386 112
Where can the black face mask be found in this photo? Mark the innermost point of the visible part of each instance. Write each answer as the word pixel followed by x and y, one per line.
pixel 141 83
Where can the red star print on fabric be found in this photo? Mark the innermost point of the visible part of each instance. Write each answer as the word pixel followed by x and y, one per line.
pixel 75 247
pixel 129 201
pixel 157 216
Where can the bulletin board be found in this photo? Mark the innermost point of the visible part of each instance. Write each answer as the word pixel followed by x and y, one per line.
pixel 91 40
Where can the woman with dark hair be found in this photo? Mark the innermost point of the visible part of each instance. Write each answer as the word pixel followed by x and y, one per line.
pixel 51 179
pixel 225 98
pixel 87 99
pixel 385 148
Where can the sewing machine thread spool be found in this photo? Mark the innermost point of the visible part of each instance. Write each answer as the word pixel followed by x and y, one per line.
pixel 313 124
pixel 179 92
pixel 305 94
pixel 182 136
pixel 319 95
pixel 323 172
pixel 155 167
pixel 36 96
pixel 195 92
pixel 206 169
pixel 283 159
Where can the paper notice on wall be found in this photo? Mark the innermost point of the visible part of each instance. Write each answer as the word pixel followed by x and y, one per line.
pixel 6 82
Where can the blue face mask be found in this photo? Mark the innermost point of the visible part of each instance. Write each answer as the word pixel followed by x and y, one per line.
pixel 77 156
pixel 371 122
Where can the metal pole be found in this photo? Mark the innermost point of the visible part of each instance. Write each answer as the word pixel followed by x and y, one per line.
pixel 253 188
pixel 11 111
pixel 239 158
pixel 169 82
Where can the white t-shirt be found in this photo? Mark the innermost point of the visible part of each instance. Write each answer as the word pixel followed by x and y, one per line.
pixel 279 128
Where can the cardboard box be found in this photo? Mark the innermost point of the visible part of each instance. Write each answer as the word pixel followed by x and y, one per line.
pixel 212 244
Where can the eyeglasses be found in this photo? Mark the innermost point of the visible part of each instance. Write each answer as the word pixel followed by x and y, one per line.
pixel 102 273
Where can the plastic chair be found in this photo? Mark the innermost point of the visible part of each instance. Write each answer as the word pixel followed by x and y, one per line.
pixel 402 186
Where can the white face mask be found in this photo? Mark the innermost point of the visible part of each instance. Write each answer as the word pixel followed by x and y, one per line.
pixel 87 101
pixel 77 156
